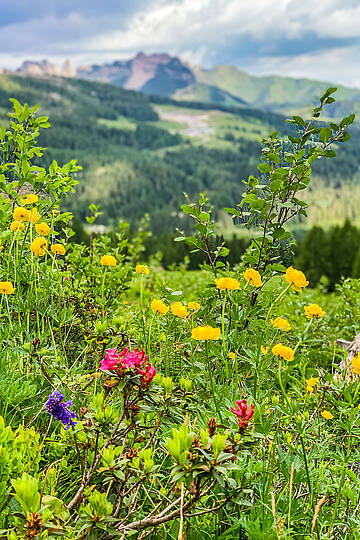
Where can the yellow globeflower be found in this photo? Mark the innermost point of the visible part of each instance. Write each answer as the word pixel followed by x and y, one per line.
pixel 21 214
pixel 202 333
pixel 34 215
pixel 227 283
pixel 264 350
pixel 6 287
pixel 311 383
pixel 142 269
pixel 17 225
pixel 38 246
pixel 232 355
pixel 356 364
pixel 194 305
pixel 108 260
pixel 158 306
pixel 179 309
pixel 58 249
pixel 296 278
pixel 30 199
pixel 327 415
pixel 42 228
pixel 313 311
pixel 253 277
pixel 282 324
pixel 283 351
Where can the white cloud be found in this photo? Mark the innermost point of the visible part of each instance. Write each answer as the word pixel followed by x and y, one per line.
pixel 339 65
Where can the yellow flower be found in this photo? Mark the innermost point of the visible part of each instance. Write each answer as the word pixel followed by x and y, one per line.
pixel 6 287
pixel 30 199
pixel 38 246
pixel 285 352
pixel 34 215
pixel 232 355
pixel 125 302
pixel 311 383
pixel 58 249
pixel 356 364
pixel 1 246
pixel 201 333
pixel 16 225
pixel 327 415
pixel 179 309
pixel 296 278
pixel 21 214
pixel 158 306
pixel 142 269
pixel 282 324
pixel 253 277
pixel 313 311
pixel 227 283
pixel 194 305
pixel 108 260
pixel 264 350
pixel 42 228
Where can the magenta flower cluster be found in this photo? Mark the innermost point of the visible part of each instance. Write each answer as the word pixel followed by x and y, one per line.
pixel 243 413
pixel 60 409
pixel 129 360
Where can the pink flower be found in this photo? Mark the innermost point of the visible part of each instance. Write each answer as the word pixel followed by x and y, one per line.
pixel 134 358
pixel 112 359
pixel 243 413
pixel 147 375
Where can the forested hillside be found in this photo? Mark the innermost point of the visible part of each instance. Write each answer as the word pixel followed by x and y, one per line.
pixel 140 153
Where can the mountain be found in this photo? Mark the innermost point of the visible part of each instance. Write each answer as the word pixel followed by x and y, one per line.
pixel 141 152
pixel 163 75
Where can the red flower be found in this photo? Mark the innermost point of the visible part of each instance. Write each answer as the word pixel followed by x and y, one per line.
pixel 147 375
pixel 134 358
pixel 243 413
pixel 112 359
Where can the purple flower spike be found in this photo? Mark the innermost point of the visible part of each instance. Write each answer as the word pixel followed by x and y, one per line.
pixel 60 409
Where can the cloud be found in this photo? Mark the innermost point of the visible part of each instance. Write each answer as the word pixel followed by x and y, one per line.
pixel 304 38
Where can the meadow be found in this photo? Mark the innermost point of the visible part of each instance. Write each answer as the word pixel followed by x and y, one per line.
pixel 138 402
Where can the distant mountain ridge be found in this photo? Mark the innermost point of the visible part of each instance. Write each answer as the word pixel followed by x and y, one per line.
pixel 164 75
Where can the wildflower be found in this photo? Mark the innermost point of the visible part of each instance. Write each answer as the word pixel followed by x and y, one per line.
pixel 264 350
pixel 58 249
pixel 311 383
pixel 179 309
pixel 38 246
pixel 158 306
pixel 327 415
pixel 243 413
pixel 142 269
pixel 356 364
pixel 296 278
pixel 147 375
pixel 1 246
pixel 313 310
pixel 17 226
pixel 42 228
pixel 108 260
pixel 227 283
pixel 202 333
pixel 253 277
pixel 123 360
pixel 194 305
pixel 30 199
pixel 60 409
pixel 284 352
pixel 282 324
pixel 6 287
pixel 232 355
pixel 21 214
pixel 34 215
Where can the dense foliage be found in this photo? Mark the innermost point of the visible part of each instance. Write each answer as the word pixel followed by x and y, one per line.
pixel 138 403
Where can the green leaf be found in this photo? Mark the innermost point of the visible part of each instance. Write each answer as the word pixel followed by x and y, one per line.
pixel 325 134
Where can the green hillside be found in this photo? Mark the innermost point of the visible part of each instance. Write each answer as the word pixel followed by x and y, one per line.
pixel 141 153
pixel 281 94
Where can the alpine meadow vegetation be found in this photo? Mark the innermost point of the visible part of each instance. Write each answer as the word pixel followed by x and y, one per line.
pixel 138 402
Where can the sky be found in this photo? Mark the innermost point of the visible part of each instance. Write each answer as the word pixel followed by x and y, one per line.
pixel 296 38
